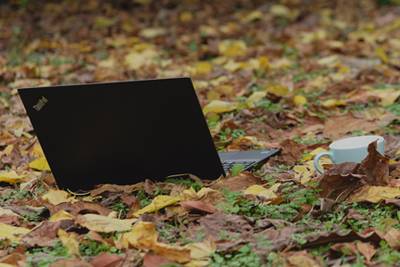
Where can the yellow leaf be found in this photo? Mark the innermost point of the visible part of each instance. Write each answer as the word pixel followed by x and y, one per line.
pixel 252 16
pixel 260 191
pixel 158 203
pixel 219 106
pixel 263 63
pixel 144 236
pixel 203 68
pixel 380 52
pixel 330 103
pixel 277 89
pixel 299 100
pixel 136 60
pixel 152 32
pixel 61 215
pixel 186 16
pixel 6 265
pixel 254 98
pixel 200 253
pixel 280 10
pixel 37 150
pixel 104 224
pixel 232 48
pixel 69 241
pixel 387 96
pixel 375 194
pixel 56 197
pixel 12 233
pixel 11 177
pixel 40 164
pixel 302 259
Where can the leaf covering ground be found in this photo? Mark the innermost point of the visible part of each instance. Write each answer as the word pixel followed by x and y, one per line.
pixel 290 74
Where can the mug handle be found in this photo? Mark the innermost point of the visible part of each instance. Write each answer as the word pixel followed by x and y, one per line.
pixel 318 167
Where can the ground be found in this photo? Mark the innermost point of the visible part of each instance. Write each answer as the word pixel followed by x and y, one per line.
pixel 290 74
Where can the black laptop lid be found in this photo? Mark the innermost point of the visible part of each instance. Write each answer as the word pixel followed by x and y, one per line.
pixel 122 132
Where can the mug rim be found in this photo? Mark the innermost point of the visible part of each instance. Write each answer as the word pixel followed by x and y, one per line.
pixel 379 138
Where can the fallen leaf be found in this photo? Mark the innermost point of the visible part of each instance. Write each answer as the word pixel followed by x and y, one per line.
pixel 232 48
pixel 158 203
pixel 375 167
pixel 136 60
pixel 106 260
pixel 56 197
pixel 203 68
pixel 11 177
pixel 260 191
pixel 330 103
pixel 40 164
pixel 69 240
pixel 237 183
pixel 200 253
pixel 12 233
pixel 103 224
pixel 355 248
pixel 391 236
pixel 219 106
pixel 198 206
pixel 70 263
pixel 254 98
pixel 61 215
pixel 301 259
pixel 44 234
pixel 375 194
pixel 154 260
pixel 277 89
pixel 144 236
pixel 299 100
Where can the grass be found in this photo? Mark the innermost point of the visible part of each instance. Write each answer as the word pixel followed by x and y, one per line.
pixel 45 256
pixel 244 257
pixel 93 248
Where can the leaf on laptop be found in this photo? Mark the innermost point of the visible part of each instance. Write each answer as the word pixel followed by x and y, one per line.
pixel 11 177
pixel 56 197
pixel 12 233
pixel 158 203
pixel 144 236
pixel 219 106
pixel 104 224
pixel 40 164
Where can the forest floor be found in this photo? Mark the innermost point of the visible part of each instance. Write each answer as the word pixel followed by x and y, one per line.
pixel 286 74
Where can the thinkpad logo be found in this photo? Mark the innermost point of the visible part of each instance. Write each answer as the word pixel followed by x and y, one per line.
pixel 41 103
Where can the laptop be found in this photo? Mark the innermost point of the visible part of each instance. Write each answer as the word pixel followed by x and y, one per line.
pixel 125 132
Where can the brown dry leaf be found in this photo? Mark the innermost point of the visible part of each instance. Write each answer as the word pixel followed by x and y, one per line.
pixel 144 236
pixel 56 197
pixel 44 234
pixel 291 152
pixel 391 236
pixel 80 207
pixel 153 260
pixel 375 167
pixel 70 263
pixel 375 194
pixel 301 259
pixel 349 123
pixel 114 188
pixel 103 224
pixel 106 260
pixel 200 253
pixel 237 183
pixel 354 248
pixel 198 205
pixel 338 182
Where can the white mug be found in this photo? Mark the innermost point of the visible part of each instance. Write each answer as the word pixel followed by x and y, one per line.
pixel 351 149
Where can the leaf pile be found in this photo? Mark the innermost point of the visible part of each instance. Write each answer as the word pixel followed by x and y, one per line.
pixel 289 74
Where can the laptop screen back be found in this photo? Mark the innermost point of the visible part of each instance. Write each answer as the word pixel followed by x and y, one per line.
pixel 121 132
